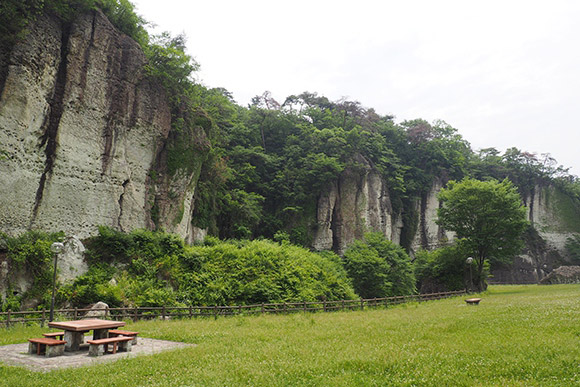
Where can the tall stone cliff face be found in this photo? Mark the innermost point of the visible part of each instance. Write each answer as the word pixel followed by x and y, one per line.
pixel 84 134
pixel 358 202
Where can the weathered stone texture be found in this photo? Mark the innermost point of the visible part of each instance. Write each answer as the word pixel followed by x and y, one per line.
pixel 429 234
pixel 358 202
pixel 81 129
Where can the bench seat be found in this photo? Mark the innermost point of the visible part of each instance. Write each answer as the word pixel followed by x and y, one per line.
pixel 51 347
pixel 53 335
pixel 118 332
pixel 99 347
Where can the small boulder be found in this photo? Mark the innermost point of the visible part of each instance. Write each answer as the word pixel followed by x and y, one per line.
pixel 98 310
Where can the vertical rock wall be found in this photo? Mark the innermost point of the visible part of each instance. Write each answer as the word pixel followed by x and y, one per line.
pixel 429 234
pixel 357 203
pixel 82 131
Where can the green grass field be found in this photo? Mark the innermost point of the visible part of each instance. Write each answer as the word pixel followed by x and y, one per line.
pixel 517 336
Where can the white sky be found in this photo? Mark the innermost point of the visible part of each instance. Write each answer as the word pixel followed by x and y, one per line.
pixel 504 73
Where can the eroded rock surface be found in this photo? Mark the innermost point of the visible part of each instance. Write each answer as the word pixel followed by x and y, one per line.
pixel 82 131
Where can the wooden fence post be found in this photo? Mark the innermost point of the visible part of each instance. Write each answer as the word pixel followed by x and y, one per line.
pixel 362 304
pixel 240 309
pixel 8 319
pixel 304 306
pixel 263 308
pixel 215 312
pixel 43 318
pixel 163 313
pixel 75 314
pixel 324 305
pixel 190 311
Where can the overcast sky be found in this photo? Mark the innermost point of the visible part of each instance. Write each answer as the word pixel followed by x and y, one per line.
pixel 504 73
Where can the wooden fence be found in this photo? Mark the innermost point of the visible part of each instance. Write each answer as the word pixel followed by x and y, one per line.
pixel 171 312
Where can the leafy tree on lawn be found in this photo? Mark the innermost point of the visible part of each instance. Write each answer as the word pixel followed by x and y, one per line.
pixel 488 217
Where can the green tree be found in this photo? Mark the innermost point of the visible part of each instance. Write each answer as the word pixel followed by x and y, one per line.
pixel 488 217
pixel 379 268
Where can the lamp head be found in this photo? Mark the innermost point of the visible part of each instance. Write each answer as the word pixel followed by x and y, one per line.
pixel 469 260
pixel 57 247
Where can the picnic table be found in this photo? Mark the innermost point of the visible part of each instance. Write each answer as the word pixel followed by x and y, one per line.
pixel 74 331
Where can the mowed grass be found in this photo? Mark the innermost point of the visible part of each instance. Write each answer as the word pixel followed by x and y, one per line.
pixel 517 336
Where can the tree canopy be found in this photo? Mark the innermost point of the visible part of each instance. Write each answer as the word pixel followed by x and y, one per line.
pixel 487 216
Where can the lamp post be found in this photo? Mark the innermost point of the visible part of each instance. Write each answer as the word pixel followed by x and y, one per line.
pixel 56 248
pixel 469 260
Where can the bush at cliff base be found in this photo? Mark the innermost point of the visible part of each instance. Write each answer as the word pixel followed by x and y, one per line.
pixel 145 268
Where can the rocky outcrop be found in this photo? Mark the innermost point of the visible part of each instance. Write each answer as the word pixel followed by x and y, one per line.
pixel 358 202
pixel 563 275
pixel 555 218
pixel 71 261
pixel 84 134
pixel 429 234
pixel 554 215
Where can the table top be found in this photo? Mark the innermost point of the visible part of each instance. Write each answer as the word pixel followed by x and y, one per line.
pixel 86 325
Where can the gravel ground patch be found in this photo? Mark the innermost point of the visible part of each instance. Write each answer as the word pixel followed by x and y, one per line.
pixel 17 355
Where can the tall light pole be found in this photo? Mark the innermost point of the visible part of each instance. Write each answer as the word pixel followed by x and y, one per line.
pixel 56 248
pixel 469 260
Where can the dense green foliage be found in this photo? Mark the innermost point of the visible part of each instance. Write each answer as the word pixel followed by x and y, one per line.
pixel 517 336
pixel 145 268
pixel 30 255
pixel 487 216
pixel 250 272
pixel 445 269
pixel 379 268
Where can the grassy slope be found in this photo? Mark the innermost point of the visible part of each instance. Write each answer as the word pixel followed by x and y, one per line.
pixel 518 335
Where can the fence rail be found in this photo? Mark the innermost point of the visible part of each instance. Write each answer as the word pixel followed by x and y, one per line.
pixel 170 312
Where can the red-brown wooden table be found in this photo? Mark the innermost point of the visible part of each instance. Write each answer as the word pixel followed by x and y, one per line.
pixel 74 330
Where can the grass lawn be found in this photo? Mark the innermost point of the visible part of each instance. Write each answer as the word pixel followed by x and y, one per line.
pixel 517 336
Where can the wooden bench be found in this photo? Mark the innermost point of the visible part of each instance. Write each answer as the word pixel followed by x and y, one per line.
pixel 118 332
pixel 473 301
pixel 54 335
pixel 99 347
pixel 51 347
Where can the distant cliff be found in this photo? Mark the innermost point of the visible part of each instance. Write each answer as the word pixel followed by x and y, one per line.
pixel 85 134
pixel 359 202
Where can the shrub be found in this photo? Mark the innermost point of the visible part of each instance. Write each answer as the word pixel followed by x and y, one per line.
pixel 379 268
pixel 261 271
pixel 30 254
pixel 92 287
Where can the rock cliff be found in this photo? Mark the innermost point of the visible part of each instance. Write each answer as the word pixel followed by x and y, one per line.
pixel 356 203
pixel 555 218
pixel 359 202
pixel 84 135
